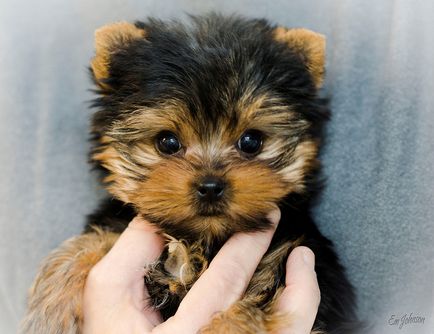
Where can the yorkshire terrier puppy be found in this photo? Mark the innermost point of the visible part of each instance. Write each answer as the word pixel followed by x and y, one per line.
pixel 202 129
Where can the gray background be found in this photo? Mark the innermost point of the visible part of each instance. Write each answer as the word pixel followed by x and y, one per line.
pixel 377 207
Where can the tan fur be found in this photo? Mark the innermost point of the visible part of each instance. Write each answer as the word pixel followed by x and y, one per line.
pixel 169 185
pixel 254 197
pixel 139 174
pixel 122 180
pixel 308 44
pixel 185 264
pixel 145 123
pixel 304 160
pixel 242 318
pixel 107 40
pixel 55 299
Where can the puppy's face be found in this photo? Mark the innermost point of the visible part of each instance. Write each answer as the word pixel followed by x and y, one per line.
pixel 204 128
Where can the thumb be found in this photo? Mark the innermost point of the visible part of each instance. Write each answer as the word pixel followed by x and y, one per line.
pixel 138 246
pixel 301 296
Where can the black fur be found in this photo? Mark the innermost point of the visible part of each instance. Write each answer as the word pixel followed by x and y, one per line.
pixel 195 64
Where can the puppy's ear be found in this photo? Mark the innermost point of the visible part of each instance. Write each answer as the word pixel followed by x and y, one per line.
pixel 309 45
pixel 108 40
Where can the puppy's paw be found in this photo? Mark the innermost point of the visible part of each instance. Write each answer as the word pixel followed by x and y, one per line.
pixel 185 263
pixel 170 279
pixel 240 318
pixel 243 318
pixel 55 299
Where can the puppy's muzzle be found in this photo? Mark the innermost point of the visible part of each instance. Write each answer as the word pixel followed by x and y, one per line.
pixel 210 189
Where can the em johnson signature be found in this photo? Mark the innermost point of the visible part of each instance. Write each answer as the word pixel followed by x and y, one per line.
pixel 406 319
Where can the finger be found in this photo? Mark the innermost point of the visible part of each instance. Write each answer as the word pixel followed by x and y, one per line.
pixel 301 296
pixel 138 246
pixel 226 279
pixel 115 285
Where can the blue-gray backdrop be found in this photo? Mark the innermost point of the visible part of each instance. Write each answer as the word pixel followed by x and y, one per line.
pixel 378 206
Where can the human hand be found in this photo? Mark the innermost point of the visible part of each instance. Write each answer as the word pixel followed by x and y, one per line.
pixel 115 295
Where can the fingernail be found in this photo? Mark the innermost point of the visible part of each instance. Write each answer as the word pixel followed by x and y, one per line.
pixel 140 223
pixel 308 257
pixel 137 219
pixel 274 216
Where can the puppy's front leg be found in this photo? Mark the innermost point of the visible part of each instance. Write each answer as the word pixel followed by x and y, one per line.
pixel 55 300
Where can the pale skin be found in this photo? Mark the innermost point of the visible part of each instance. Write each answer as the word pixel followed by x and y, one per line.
pixel 115 295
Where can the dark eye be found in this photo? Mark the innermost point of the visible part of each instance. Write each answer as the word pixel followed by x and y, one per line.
pixel 250 142
pixel 167 142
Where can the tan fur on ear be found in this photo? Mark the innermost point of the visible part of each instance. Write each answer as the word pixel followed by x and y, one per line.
pixel 310 45
pixel 108 39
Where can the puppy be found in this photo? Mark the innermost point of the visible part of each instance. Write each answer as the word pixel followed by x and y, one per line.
pixel 202 129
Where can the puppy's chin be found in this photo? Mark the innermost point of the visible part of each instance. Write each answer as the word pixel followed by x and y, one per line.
pixel 210 229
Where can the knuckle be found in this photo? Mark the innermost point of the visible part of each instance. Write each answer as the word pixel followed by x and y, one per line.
pixel 318 297
pixel 96 274
pixel 233 276
pixel 316 291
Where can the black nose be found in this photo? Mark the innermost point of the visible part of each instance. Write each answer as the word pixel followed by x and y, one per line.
pixel 211 189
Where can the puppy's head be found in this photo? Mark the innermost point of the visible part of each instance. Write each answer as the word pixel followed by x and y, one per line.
pixel 203 128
